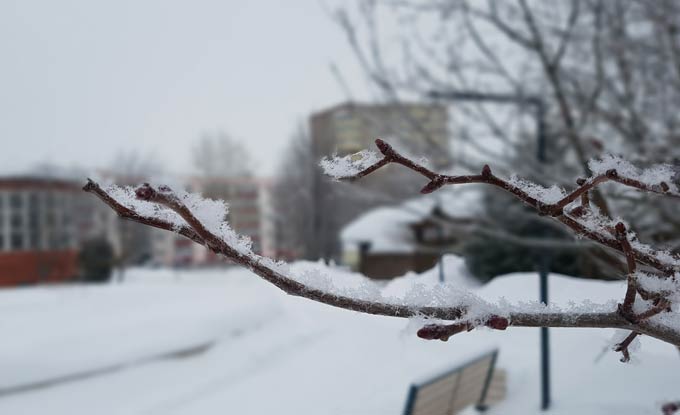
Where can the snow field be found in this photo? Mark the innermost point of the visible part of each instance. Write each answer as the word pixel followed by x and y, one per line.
pixel 275 354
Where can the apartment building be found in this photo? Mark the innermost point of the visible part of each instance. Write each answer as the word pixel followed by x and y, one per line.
pixel 351 127
pixel 415 128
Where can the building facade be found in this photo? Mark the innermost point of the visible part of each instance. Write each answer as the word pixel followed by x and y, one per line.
pixel 351 127
pixel 416 128
pixel 43 221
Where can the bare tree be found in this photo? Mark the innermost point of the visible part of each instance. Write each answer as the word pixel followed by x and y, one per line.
pixel 604 68
pixel 651 300
pixel 132 168
pixel 218 155
pixel 293 200
pixel 310 209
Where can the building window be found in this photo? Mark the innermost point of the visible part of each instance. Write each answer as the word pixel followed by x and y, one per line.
pixel 16 201
pixel 33 219
pixel 16 220
pixel 49 200
pixel 34 241
pixel 53 241
pixel 49 219
pixel 33 200
pixel 17 241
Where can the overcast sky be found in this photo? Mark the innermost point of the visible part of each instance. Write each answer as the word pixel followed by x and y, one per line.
pixel 81 80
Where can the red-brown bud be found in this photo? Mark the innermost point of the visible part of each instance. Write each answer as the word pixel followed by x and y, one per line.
pixel 442 332
pixel 433 185
pixel 497 323
pixel 145 192
pixel 486 171
pixel 384 148
pixel 670 408
pixel 620 228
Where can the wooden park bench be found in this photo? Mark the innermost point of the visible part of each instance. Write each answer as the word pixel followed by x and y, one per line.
pixel 476 382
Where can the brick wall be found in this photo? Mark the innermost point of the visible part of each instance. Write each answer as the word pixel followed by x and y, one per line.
pixel 30 267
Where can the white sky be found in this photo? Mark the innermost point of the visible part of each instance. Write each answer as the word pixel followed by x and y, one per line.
pixel 81 80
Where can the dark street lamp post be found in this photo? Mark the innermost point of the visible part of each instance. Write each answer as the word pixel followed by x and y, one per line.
pixel 541 132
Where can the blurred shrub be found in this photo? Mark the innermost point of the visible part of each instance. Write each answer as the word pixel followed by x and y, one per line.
pixel 487 256
pixel 96 260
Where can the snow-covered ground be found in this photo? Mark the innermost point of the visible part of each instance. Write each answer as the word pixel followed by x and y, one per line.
pixel 222 342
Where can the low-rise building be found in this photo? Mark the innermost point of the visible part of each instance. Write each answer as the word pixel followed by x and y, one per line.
pixel 43 221
pixel 387 242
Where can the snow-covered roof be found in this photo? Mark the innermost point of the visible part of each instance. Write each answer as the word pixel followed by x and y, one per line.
pixel 387 228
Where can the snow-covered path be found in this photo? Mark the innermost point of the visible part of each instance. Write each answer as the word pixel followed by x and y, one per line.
pixel 278 354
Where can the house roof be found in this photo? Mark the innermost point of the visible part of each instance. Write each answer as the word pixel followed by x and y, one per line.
pixel 388 229
pixel 35 182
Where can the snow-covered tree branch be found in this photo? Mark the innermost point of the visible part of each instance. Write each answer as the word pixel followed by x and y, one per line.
pixel 649 306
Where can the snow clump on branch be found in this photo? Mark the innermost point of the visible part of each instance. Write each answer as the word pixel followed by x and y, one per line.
pixel 350 165
pixel 211 213
pixel 653 176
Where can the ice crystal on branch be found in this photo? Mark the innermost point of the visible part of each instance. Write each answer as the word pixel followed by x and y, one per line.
pixel 547 195
pixel 652 176
pixel 350 165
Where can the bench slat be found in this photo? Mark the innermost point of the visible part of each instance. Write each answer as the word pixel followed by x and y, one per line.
pixel 439 392
pixel 451 392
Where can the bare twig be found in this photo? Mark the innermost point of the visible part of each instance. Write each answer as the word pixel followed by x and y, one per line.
pixel 623 346
pixel 444 331
pixel 629 299
pixel 129 214
pixel 195 230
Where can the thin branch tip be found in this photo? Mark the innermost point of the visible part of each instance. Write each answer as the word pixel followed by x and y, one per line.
pixel 486 171
pixel 432 185
pixel 620 228
pixel 444 331
pixel 624 345
pixel 384 147
pixel 89 185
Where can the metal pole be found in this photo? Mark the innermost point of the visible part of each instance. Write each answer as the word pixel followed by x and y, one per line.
pixel 441 269
pixel 545 339
pixel 544 262
pixel 541 132
pixel 441 255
